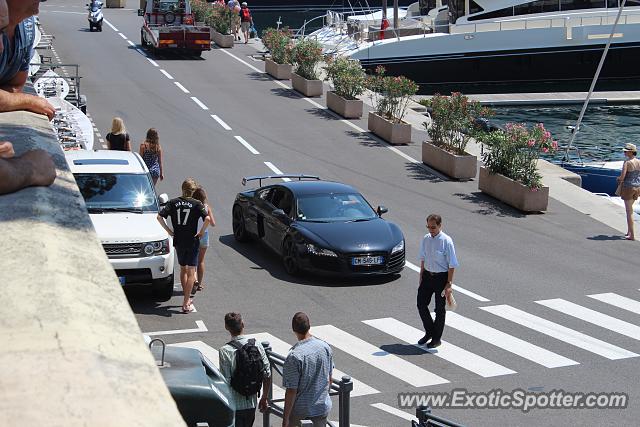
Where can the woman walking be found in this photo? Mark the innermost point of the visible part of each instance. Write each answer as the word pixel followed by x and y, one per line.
pixel 629 181
pixel 118 138
pixel 201 196
pixel 151 153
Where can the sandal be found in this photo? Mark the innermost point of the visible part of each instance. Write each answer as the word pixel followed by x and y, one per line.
pixel 199 286
pixel 188 309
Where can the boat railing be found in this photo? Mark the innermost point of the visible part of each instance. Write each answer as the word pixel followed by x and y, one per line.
pixel 330 19
pixel 526 23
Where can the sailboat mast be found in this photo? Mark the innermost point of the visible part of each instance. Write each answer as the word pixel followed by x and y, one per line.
pixel 395 14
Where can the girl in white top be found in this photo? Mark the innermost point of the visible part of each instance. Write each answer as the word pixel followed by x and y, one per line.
pixel 201 196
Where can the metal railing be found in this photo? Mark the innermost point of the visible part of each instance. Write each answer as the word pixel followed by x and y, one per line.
pixel 427 419
pixel 341 388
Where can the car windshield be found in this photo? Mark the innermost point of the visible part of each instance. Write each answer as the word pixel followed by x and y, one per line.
pixel 169 5
pixel 341 207
pixel 119 192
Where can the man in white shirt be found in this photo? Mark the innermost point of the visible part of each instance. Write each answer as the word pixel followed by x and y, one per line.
pixel 437 264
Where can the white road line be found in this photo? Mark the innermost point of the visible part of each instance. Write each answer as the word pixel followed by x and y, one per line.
pixel 394 411
pixel 276 170
pixel 200 328
pixel 594 317
pixel 221 122
pixel 141 52
pixel 167 75
pixel 131 43
pixel 123 36
pixel 182 88
pixel 507 342
pixel 455 287
pixel 281 347
pixel 244 62
pixel 618 301
pixel 447 351
pixel 200 104
pixel 210 353
pixel 247 145
pixel 112 27
pixel 376 357
pixel 315 104
pixel 154 63
pixel 279 83
pixel 560 332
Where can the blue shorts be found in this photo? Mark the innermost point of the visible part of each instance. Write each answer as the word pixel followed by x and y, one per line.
pixel 204 240
pixel 188 255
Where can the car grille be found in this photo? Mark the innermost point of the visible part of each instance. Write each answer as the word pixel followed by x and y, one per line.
pixel 123 250
pixel 396 261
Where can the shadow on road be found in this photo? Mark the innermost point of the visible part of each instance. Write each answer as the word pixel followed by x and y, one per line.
pixel 487 205
pixel 403 349
pixel 261 77
pixel 142 301
pixel 603 237
pixel 167 55
pixel 421 172
pixel 266 260
pixel 286 93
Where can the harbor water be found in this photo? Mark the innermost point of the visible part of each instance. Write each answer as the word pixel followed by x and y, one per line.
pixel 603 132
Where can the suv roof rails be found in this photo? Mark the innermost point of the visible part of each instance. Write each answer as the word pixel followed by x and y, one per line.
pixel 300 177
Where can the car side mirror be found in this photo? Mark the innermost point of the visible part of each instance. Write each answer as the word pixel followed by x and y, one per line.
pixel 279 213
pixel 381 210
pixel 163 199
pixel 140 12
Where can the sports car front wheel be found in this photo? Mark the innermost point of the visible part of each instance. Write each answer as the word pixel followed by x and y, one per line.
pixel 290 257
pixel 239 230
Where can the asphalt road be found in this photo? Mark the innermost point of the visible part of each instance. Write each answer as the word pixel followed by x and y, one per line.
pixel 512 262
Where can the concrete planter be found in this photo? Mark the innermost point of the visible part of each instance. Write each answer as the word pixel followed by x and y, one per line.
pixel 222 40
pixel 393 133
pixel 513 193
pixel 116 3
pixel 456 166
pixel 306 87
pixel 277 71
pixel 347 108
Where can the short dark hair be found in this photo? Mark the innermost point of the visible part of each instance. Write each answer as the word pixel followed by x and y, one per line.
pixel 435 217
pixel 300 323
pixel 233 322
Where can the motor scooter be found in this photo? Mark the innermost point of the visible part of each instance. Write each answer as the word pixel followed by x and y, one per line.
pixel 95 15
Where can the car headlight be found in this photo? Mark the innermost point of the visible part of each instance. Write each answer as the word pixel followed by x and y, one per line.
pixel 161 247
pixel 148 249
pixel 315 250
pixel 397 248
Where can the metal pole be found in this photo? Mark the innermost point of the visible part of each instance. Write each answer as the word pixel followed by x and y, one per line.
pixel 384 10
pixel 593 82
pixel 421 414
pixel 266 414
pixel 395 14
pixel 344 402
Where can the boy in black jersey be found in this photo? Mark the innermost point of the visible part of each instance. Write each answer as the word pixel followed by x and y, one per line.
pixel 185 213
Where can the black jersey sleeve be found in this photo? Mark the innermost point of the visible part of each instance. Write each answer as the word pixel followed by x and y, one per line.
pixel 165 211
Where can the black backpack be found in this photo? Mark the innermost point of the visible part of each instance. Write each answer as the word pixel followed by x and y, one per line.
pixel 249 373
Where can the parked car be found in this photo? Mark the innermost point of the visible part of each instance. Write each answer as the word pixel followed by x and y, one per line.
pixel 122 204
pixel 319 226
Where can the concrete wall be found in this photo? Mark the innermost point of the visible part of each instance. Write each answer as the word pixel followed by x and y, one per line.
pixel 71 352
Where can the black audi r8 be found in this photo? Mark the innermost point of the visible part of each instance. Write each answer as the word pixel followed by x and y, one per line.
pixel 319 226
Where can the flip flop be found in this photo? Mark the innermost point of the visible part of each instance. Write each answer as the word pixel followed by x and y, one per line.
pixel 187 310
pixel 200 287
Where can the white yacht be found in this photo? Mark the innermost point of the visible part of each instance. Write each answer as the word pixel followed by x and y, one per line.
pixel 470 45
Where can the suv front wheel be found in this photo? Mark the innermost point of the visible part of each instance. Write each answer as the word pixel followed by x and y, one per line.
pixel 163 288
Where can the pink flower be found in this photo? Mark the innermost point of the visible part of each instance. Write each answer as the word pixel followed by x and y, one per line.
pixel 545 149
pixel 554 144
pixel 531 143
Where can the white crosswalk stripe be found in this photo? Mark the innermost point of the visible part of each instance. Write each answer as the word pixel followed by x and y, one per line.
pixel 389 363
pixel 282 348
pixel 508 342
pixel 560 332
pixel 447 351
pixel 618 301
pixel 595 317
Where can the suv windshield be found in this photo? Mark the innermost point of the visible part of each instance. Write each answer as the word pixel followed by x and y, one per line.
pixel 334 208
pixel 108 191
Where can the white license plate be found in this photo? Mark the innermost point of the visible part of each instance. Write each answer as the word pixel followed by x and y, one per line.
pixel 367 260
pixel 122 280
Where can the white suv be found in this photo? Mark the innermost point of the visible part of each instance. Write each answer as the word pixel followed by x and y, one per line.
pixel 123 205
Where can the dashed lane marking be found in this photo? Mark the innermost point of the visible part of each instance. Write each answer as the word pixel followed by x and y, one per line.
pixel 276 170
pixel 200 104
pixel 455 287
pixel 200 328
pixel 221 122
pixel 182 88
pixel 111 25
pixel 131 43
pixel 249 147
pixel 167 75
pixel 123 36
pixel 243 61
pixel 154 63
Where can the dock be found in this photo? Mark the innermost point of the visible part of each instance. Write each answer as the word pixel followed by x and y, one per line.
pixel 553 98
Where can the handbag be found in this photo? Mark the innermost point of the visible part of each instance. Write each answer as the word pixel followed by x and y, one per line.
pixel 619 189
pixel 451 303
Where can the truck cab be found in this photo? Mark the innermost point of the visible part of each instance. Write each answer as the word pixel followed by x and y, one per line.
pixel 170 25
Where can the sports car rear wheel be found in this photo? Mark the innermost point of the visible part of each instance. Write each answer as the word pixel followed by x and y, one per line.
pixel 290 257
pixel 239 230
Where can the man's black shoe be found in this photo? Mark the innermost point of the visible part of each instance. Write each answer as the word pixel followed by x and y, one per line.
pixel 434 344
pixel 424 339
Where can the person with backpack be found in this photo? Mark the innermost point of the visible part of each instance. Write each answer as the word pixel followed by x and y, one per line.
pixel 244 364
pixel 246 21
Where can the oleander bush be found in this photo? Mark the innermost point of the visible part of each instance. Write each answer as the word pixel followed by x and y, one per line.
pixel 306 54
pixel 390 95
pixel 278 42
pixel 346 75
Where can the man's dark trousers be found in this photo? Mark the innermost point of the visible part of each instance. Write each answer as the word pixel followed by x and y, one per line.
pixel 432 283
pixel 245 417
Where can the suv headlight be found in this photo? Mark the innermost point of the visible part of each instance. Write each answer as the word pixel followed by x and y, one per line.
pixel 397 248
pixel 315 250
pixel 160 247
